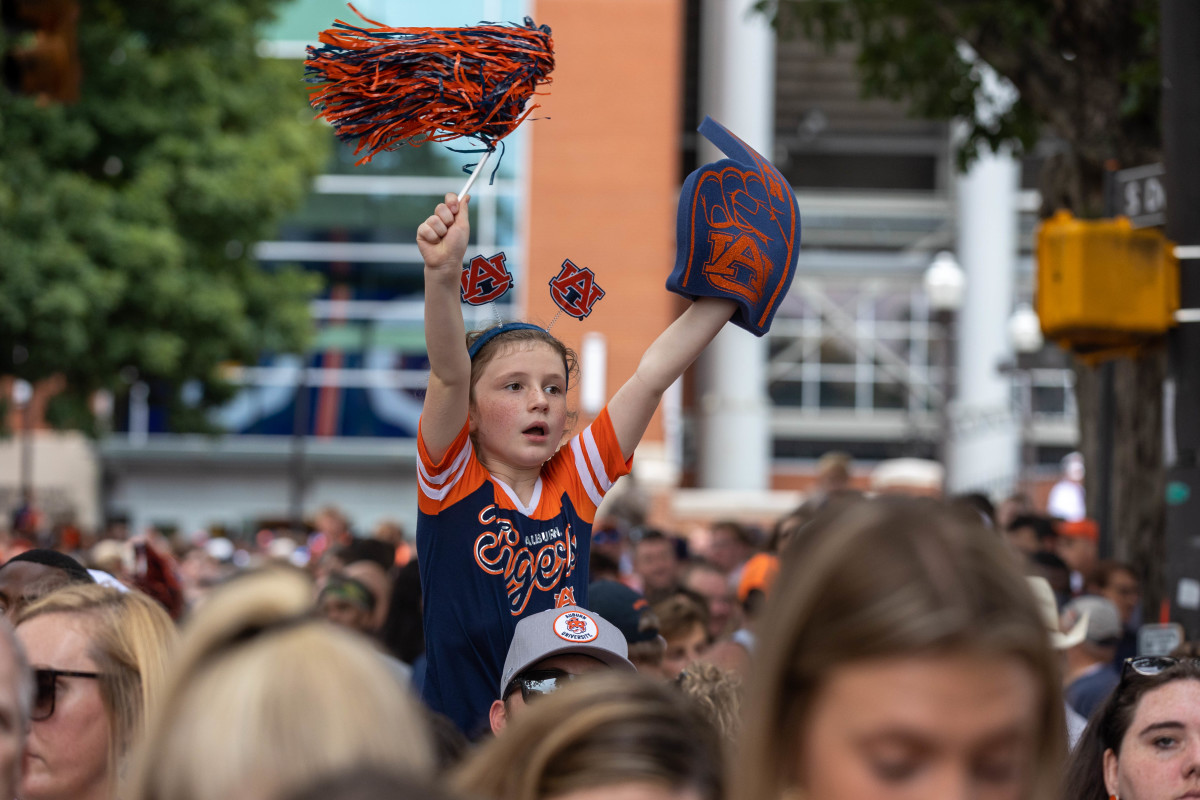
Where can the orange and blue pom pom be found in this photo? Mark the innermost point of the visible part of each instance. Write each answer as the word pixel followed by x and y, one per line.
pixel 386 87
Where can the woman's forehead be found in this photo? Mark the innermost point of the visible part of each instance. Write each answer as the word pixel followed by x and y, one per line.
pixel 58 638
pixel 1178 699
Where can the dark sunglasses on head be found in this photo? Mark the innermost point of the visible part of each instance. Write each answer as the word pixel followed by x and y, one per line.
pixel 537 682
pixel 1148 666
pixel 46 681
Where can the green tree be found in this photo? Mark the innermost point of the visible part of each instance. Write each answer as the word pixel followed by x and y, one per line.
pixel 128 219
pixel 1087 74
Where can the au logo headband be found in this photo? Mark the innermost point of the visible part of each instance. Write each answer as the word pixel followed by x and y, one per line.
pixel 492 333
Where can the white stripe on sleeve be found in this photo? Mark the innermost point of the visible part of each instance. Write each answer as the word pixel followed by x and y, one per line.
pixel 585 476
pixel 597 460
pixel 458 467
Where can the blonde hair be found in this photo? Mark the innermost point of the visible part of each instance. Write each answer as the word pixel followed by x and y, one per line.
pixel 264 697
pixel 885 578
pixel 603 730
pixel 717 694
pixel 131 639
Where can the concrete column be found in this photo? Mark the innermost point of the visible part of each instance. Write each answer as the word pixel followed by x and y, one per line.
pixel 737 88
pixel 985 445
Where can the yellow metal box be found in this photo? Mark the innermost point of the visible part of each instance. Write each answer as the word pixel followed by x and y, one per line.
pixel 1103 282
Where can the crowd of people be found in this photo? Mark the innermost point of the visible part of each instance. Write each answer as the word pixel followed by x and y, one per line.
pixel 532 644
pixel 866 646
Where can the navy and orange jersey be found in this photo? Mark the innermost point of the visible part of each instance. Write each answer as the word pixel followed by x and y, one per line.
pixel 486 559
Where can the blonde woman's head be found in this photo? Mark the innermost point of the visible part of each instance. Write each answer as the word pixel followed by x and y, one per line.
pixel 125 640
pixel 599 733
pixel 264 698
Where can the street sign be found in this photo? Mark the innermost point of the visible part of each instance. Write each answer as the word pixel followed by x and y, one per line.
pixel 1142 195
pixel 1159 640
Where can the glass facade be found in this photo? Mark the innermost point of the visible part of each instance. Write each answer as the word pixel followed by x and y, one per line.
pixel 366 371
pixel 856 364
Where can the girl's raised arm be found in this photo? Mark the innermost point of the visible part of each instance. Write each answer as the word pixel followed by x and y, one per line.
pixel 442 240
pixel 664 361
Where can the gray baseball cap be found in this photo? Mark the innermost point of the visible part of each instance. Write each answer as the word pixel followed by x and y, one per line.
pixel 562 631
pixel 1104 621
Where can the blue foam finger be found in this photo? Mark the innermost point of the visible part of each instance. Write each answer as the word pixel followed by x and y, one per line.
pixel 737 232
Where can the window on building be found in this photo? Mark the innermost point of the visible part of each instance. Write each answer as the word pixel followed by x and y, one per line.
pixel 857 357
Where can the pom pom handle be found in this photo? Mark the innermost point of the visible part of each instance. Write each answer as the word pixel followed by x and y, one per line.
pixel 474 174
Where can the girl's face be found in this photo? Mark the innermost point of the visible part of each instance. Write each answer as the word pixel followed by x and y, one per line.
pixel 518 406
pixel 1160 754
pixel 931 727
pixel 684 649
pixel 66 755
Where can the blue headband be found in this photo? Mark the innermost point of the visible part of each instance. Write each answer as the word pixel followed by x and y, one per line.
pixel 492 333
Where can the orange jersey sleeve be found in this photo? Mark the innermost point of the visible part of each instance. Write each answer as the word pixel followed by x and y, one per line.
pixel 443 483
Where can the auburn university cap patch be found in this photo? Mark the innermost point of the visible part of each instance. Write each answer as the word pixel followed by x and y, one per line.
pixel 737 232
pixel 575 626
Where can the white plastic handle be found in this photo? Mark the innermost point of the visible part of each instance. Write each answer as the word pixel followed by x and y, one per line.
pixel 474 175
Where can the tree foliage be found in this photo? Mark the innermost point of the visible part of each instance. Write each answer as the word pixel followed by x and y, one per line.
pixel 1086 72
pixel 128 219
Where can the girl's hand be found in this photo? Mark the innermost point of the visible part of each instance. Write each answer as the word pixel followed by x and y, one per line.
pixel 442 238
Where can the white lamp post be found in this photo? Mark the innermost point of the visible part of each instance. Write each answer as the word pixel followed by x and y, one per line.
pixel 1025 336
pixel 1025 330
pixel 945 286
pixel 945 283
pixel 22 396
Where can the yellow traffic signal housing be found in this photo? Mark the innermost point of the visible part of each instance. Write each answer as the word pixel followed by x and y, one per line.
pixel 1104 284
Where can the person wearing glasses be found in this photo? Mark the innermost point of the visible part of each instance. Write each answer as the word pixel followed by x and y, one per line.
pixel 1143 743
pixel 551 649
pixel 16 698
pixel 901 655
pixel 99 658
pixel 614 736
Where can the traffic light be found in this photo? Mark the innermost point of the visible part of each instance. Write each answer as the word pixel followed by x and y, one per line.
pixel 1103 285
pixel 40 53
